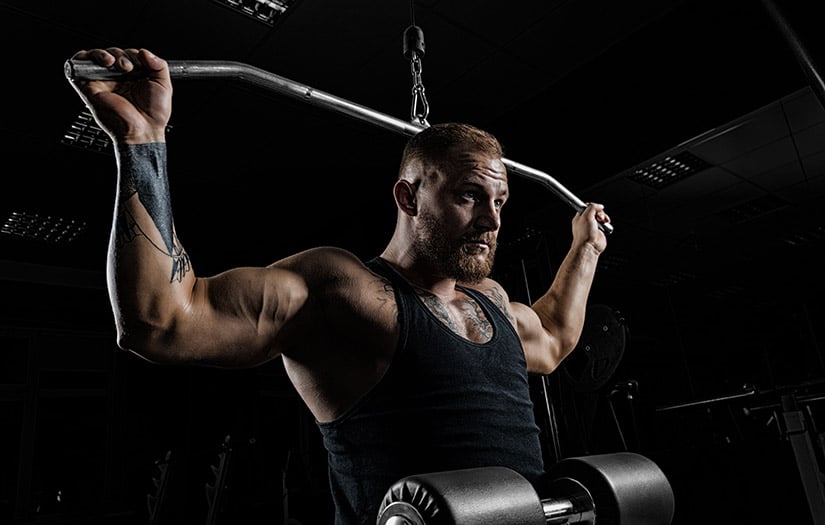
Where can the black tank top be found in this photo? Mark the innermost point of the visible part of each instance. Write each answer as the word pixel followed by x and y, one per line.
pixel 444 403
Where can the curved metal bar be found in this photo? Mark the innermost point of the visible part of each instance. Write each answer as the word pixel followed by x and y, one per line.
pixel 76 69
pixel 205 69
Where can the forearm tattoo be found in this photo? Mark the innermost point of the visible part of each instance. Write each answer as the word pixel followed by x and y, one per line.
pixel 143 171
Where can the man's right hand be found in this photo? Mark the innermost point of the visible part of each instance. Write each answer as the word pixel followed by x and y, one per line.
pixel 136 109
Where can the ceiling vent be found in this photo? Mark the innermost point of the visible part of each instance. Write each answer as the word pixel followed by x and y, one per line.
pixel 668 170
pixel 815 235
pixel 84 133
pixel 750 210
pixel 264 11
pixel 53 230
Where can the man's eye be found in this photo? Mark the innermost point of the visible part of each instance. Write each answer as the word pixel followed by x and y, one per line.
pixel 470 195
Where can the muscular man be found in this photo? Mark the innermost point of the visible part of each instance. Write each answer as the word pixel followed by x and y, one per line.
pixel 414 361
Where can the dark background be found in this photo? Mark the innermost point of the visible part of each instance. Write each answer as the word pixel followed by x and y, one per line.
pixel 710 288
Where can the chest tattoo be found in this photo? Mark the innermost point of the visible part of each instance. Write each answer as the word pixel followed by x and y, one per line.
pixel 465 317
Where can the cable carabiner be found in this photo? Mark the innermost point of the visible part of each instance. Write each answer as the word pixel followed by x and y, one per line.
pixel 414 50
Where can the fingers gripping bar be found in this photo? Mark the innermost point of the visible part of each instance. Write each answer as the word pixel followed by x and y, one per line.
pixel 77 69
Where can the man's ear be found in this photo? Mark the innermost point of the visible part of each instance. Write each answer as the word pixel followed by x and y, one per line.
pixel 404 191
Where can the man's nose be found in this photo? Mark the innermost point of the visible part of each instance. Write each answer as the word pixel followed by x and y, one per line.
pixel 489 217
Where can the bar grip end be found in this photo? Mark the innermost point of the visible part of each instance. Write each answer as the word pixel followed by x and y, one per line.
pixel 81 69
pixel 68 69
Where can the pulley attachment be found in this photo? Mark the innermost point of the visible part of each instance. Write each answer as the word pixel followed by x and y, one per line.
pixel 413 42
pixel 413 50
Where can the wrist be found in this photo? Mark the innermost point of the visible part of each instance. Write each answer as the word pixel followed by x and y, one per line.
pixel 586 250
pixel 141 166
pixel 144 137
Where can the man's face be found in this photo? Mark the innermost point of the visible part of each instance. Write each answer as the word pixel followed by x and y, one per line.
pixel 459 217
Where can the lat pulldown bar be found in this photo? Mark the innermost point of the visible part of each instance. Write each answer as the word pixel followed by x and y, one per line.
pixel 76 69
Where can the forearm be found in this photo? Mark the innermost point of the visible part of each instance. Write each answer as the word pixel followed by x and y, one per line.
pixel 149 273
pixel 562 308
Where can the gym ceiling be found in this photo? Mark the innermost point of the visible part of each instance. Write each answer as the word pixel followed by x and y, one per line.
pixel 596 94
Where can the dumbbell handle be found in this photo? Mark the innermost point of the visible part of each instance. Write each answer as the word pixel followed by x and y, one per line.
pixel 569 511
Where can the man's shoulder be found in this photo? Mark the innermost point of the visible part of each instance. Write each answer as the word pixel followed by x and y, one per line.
pixel 329 266
pixel 488 287
pixel 321 260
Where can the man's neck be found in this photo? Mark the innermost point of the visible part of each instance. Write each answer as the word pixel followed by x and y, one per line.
pixel 422 276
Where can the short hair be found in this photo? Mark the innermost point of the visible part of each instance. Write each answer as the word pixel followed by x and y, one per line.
pixel 435 142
